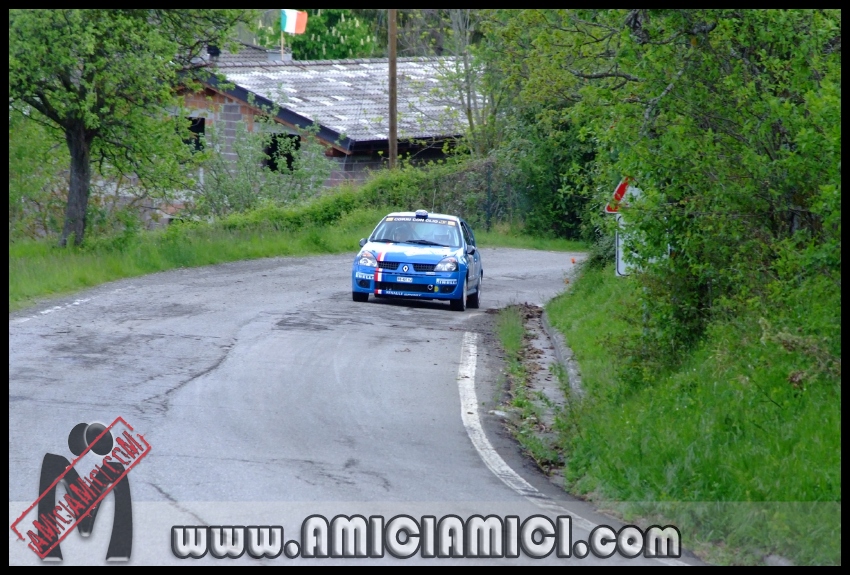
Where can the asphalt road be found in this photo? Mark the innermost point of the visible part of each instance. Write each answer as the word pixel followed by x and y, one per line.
pixel 268 395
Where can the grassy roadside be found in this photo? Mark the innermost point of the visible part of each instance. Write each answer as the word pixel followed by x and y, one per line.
pixel 40 270
pixel 525 405
pixel 505 238
pixel 739 445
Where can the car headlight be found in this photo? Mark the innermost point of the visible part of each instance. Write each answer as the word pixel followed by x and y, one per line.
pixel 448 264
pixel 368 259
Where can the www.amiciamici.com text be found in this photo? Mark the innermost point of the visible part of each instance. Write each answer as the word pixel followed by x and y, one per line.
pixel 403 537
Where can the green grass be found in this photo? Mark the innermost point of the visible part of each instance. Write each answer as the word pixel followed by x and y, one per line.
pixel 510 330
pixel 739 445
pixel 497 239
pixel 38 269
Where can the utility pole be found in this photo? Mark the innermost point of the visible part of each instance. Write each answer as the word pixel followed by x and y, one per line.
pixel 393 33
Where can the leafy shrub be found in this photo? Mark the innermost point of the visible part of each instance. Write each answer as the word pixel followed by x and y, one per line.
pixel 258 168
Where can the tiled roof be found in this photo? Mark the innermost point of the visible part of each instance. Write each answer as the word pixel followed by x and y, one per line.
pixel 351 97
pixel 247 53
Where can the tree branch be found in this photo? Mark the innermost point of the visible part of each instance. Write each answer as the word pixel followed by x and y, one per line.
pixel 653 103
pixel 598 75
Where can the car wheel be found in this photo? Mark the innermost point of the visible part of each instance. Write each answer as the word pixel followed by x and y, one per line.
pixel 460 303
pixel 474 301
pixel 359 296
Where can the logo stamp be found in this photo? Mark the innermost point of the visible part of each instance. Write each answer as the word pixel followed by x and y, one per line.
pixel 104 457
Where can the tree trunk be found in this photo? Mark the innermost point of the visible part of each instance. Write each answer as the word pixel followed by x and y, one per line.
pixel 79 145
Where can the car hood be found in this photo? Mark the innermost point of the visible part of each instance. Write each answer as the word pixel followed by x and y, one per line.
pixel 411 253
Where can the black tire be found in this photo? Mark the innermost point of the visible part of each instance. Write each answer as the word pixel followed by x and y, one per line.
pixel 474 301
pixel 359 296
pixel 460 303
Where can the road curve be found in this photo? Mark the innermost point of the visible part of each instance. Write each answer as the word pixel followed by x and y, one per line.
pixel 268 395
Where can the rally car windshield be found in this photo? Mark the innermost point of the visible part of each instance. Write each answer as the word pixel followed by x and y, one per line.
pixel 429 232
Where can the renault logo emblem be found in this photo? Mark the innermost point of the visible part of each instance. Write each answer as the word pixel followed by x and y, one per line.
pixel 405 267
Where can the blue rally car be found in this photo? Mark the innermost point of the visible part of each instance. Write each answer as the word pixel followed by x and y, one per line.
pixel 419 255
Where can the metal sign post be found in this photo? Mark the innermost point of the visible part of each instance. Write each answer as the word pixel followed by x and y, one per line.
pixel 622 268
pixel 621 193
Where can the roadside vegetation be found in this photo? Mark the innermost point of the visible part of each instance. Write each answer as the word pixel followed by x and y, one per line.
pixel 525 406
pixel 333 223
pixel 737 443
pixel 713 372
pixel 38 269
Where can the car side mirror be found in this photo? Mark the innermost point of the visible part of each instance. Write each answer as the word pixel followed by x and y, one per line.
pixel 362 242
pixel 470 250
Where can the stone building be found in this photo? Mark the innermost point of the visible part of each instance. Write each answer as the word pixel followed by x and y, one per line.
pixel 346 102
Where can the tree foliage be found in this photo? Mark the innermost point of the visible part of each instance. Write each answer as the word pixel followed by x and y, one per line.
pixel 38 160
pixel 103 78
pixel 336 33
pixel 728 120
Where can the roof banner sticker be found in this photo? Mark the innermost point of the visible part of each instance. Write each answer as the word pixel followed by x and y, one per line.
pixel 428 220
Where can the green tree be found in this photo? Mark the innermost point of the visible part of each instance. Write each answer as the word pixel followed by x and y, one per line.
pixel 330 34
pixel 537 149
pixel 729 121
pixel 38 160
pixel 471 79
pixel 103 78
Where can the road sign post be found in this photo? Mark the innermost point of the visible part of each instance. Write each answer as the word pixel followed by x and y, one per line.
pixel 622 193
pixel 622 268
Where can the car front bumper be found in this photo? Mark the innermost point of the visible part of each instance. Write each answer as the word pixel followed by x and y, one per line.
pixel 422 285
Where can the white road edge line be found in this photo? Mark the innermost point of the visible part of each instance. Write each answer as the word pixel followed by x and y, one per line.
pixel 494 461
pixel 51 310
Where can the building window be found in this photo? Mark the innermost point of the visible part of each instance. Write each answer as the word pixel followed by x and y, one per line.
pixel 197 128
pixel 280 148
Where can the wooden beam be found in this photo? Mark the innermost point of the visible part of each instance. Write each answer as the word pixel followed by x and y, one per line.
pixel 393 136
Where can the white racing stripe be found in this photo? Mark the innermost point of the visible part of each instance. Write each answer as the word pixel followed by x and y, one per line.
pixel 494 461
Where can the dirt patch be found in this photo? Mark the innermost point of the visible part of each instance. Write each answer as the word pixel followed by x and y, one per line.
pixel 537 393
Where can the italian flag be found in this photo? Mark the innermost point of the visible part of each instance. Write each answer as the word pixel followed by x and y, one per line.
pixel 293 21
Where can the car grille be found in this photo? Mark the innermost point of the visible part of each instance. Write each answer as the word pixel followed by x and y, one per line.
pixel 402 287
pixel 416 267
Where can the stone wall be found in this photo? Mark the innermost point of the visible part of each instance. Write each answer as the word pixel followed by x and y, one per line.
pixel 221 111
pixel 354 168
